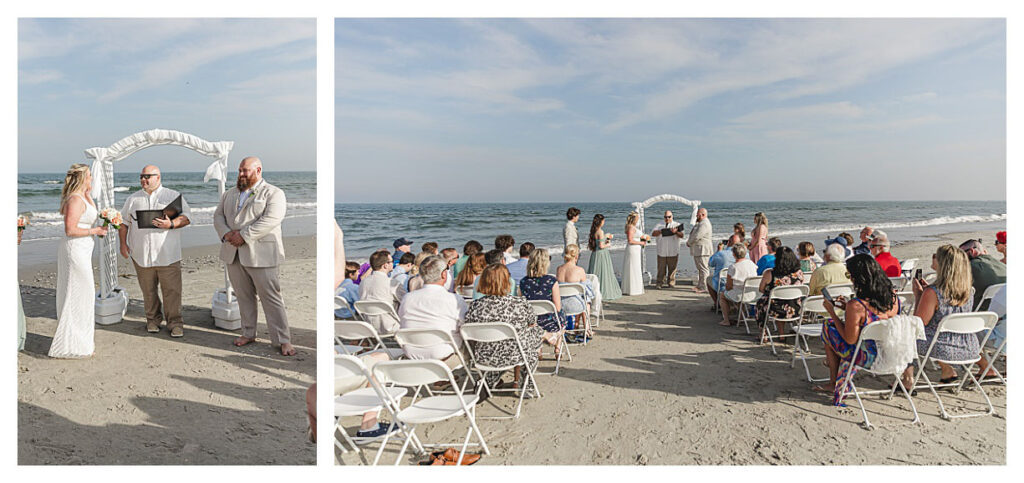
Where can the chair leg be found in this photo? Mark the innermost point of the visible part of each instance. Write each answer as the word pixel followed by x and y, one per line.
pixel 863 411
pixel 768 331
pixel 405 445
pixel 472 422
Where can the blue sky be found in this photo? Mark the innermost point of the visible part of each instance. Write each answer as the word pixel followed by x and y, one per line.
pixel 621 109
pixel 89 82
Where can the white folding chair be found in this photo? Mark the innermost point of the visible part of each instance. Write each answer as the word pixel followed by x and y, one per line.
pixel 907 302
pixel 424 338
pixel 420 374
pixel 841 290
pixel 596 307
pixel 962 323
pixel 812 311
pixel 751 292
pixel 987 295
pixel 781 294
pixel 569 290
pixel 381 315
pixel 876 332
pixel 466 291
pixel 991 353
pixel 356 330
pixel 544 307
pixel 899 284
pixel 494 332
pixel 360 401
pixel 907 267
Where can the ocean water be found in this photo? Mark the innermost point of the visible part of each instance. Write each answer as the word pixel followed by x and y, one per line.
pixel 39 196
pixel 371 226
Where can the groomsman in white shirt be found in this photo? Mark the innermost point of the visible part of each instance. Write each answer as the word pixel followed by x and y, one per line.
pixel 156 251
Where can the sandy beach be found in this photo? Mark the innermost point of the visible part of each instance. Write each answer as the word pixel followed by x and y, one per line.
pixel 146 399
pixel 663 384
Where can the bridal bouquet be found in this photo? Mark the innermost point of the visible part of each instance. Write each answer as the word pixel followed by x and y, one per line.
pixel 22 222
pixel 608 237
pixel 645 238
pixel 111 217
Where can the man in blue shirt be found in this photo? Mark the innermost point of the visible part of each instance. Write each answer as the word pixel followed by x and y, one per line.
pixel 721 260
pixel 401 246
pixel 347 291
pixel 768 260
pixel 517 269
pixel 866 235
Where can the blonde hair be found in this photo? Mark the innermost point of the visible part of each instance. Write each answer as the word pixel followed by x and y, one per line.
pixel 760 219
pixel 74 181
pixel 539 263
pixel 415 270
pixel 571 251
pixel 631 220
pixel 953 276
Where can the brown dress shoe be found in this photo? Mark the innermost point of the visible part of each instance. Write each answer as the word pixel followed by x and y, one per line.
pixel 152 327
pixel 177 332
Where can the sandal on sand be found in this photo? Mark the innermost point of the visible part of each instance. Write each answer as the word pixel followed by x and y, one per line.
pixel 822 389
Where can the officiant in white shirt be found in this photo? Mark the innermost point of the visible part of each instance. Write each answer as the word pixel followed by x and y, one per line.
pixel 156 251
pixel 668 250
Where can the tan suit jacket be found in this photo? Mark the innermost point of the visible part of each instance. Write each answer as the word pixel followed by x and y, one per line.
pixel 258 222
pixel 700 239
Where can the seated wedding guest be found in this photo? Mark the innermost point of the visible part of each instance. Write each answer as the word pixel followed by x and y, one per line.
pixel 494 257
pixel 538 285
pixel 505 243
pixel 468 275
pixel 400 274
pixel 1001 245
pixel 880 250
pixel 401 245
pixel 471 248
pixel 365 268
pixel 517 269
pixel 740 230
pixel 805 251
pixel 866 235
pixel 768 260
pixel 875 300
pixel 736 275
pixel 430 248
pixel 986 270
pixel 721 260
pixel 415 279
pixel 349 291
pixel 570 272
pixel 498 306
pixel 432 307
pixel 950 294
pixel 785 272
pixel 848 237
pixel 377 286
pixel 998 337
pixel 370 427
pixel 832 272
pixel 847 253
pixel 450 255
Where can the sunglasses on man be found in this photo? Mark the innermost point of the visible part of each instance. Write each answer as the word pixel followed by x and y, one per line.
pixel 147 176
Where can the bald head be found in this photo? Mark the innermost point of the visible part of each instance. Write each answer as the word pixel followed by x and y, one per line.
pixel 250 172
pixel 701 214
pixel 149 178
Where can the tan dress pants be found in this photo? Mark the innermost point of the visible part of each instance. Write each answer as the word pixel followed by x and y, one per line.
pixel 703 272
pixel 248 282
pixel 667 271
pixel 168 278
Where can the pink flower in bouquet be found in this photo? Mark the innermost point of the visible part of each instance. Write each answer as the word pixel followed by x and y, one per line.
pixel 111 217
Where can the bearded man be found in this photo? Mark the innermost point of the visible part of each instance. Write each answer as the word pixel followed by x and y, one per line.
pixel 248 221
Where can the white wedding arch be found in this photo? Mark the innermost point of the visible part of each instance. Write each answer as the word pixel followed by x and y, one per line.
pixel 640 206
pixel 112 300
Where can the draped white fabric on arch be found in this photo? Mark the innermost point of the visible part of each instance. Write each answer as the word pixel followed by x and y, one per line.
pixel 640 206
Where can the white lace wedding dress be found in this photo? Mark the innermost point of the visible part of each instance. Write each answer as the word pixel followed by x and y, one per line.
pixel 632 278
pixel 76 315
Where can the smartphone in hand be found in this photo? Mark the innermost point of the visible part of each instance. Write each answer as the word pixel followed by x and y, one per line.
pixel 918 275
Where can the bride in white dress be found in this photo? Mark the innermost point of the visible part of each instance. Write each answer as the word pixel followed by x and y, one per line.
pixel 632 278
pixel 75 289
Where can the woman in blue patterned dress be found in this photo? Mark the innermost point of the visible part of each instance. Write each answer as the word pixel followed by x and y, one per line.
pixel 538 285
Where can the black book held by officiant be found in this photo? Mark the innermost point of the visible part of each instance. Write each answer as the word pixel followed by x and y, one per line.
pixel 667 232
pixel 171 211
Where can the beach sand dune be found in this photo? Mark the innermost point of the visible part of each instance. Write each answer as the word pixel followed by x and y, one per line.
pixel 149 399
pixel 662 383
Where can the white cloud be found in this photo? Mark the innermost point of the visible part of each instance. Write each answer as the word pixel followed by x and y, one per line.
pixel 42 76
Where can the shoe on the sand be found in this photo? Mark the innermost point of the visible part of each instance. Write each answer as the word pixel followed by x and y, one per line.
pixel 152 327
pixel 382 428
pixel 177 332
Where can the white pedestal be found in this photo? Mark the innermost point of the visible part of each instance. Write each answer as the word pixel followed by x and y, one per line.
pixel 225 314
pixel 111 310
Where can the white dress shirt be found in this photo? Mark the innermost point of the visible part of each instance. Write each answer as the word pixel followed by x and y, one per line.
pixel 569 234
pixel 153 247
pixel 668 246
pixel 432 307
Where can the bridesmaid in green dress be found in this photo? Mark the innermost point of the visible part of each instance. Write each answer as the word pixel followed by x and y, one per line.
pixel 601 260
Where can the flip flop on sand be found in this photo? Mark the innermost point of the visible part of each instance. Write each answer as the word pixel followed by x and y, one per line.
pixel 822 389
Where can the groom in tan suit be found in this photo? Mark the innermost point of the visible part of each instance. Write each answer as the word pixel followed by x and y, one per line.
pixel 248 221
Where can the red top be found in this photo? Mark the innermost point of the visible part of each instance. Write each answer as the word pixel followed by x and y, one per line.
pixel 889 263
